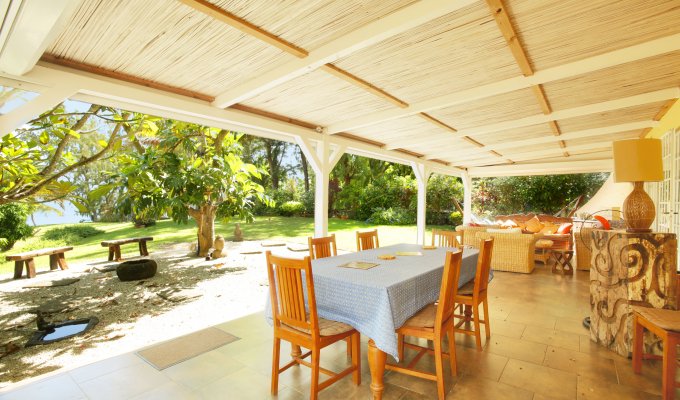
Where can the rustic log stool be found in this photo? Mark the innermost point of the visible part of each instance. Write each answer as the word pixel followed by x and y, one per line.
pixel 562 261
pixel 114 246
pixel 57 260
pixel 666 325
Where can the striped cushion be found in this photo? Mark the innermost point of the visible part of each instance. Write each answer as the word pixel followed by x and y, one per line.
pixel 423 318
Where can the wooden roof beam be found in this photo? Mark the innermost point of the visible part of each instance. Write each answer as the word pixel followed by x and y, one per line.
pixel 406 18
pixel 356 81
pixel 505 25
pixel 632 53
pixel 671 111
pixel 244 26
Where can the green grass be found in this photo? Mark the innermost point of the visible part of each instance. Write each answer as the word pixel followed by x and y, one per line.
pixel 291 229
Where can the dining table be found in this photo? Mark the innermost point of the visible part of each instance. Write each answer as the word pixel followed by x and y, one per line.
pixel 378 300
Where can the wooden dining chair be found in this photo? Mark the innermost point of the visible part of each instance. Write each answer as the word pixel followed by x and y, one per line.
pixel 367 240
pixel 665 324
pixel 322 247
pixel 444 238
pixel 474 293
pixel 289 281
pixel 432 323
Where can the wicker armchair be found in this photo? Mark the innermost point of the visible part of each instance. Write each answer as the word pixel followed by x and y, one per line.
pixel 470 236
pixel 513 252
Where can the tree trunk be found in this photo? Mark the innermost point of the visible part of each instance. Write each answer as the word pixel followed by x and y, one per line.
pixel 205 221
pixel 305 169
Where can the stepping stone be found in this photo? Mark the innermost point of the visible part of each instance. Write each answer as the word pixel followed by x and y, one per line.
pixel 223 270
pixel 251 252
pixel 106 268
pixel 298 247
pixel 176 295
pixel 60 282
pixel 272 244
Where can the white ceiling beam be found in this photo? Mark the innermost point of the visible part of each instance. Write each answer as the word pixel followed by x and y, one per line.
pixel 549 168
pixel 633 53
pixel 393 24
pixel 28 27
pixel 116 93
pixel 544 140
pixel 46 100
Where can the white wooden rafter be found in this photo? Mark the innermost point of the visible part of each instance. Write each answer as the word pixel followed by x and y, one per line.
pixel 467 197
pixel 547 168
pixel 46 100
pixel 390 25
pixel 621 56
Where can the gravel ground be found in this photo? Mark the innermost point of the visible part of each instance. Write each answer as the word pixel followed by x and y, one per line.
pixel 131 315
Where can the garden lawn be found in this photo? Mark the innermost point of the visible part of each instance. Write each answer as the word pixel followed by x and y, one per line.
pixel 292 229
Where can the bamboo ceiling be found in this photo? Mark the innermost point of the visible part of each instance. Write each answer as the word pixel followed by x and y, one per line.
pixel 180 47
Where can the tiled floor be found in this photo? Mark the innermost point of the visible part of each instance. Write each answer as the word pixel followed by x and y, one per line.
pixel 538 350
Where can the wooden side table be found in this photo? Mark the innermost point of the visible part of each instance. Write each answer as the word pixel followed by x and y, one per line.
pixel 562 259
pixel 629 269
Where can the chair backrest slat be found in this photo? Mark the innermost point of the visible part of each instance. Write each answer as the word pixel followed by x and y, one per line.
pixel 287 292
pixel 483 266
pixel 322 247
pixel 447 238
pixel 367 240
pixel 449 287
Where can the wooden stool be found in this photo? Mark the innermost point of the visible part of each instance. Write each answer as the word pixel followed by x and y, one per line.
pixel 666 325
pixel 562 261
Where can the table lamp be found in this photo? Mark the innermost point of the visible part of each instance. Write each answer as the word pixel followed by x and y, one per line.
pixel 638 161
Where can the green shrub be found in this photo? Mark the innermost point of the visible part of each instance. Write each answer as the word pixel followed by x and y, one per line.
pixel 290 208
pixel 13 226
pixel 392 216
pixel 456 218
pixel 70 234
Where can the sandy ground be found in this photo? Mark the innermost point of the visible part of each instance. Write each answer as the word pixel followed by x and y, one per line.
pixel 132 315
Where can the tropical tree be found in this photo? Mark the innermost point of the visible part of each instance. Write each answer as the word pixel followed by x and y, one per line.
pixel 190 171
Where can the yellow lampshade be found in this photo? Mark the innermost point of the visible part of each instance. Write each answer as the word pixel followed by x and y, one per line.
pixel 638 160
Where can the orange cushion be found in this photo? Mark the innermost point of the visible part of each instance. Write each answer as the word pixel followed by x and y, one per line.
pixel 549 228
pixel 564 228
pixel 534 225
pixel 604 222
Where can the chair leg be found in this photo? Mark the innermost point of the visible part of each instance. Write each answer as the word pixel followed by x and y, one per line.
pixel 400 346
pixel 356 358
pixel 452 351
pixel 275 366
pixel 478 333
pixel 669 365
pixel 439 367
pixel 349 347
pixel 638 334
pixel 315 374
pixel 487 324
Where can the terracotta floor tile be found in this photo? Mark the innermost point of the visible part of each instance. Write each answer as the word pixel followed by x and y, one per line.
pixel 536 378
pixel 470 387
pixel 595 389
pixel 583 364
pixel 551 337
pixel 516 348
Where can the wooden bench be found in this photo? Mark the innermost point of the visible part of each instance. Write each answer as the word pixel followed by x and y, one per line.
pixel 114 246
pixel 57 260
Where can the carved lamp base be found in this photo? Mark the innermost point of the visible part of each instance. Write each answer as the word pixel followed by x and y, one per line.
pixel 638 210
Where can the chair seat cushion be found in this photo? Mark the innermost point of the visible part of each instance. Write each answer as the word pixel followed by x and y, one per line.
pixel 467 289
pixel 544 243
pixel 664 319
pixel 423 318
pixel 327 327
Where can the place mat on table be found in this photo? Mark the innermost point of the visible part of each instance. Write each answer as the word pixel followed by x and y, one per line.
pixel 358 265
pixel 409 253
pixel 175 351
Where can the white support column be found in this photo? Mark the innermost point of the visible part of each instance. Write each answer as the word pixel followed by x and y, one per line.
pixel 323 159
pixel 422 173
pixel 24 113
pixel 467 197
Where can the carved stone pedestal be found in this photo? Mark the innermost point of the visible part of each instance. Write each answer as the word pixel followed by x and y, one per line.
pixel 629 269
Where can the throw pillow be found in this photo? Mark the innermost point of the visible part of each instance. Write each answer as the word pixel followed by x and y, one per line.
pixel 549 228
pixel 564 228
pixel 501 230
pixel 534 225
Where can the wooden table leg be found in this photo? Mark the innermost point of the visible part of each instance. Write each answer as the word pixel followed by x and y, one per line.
pixel 61 259
pixel 376 362
pixel 18 269
pixel 54 263
pixel 30 268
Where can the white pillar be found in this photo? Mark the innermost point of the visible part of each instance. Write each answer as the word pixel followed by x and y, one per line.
pixel 467 197
pixel 322 159
pixel 422 173
pixel 24 113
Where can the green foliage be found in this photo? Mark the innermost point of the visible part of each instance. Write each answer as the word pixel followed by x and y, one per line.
pixel 455 218
pixel 13 226
pixel 541 194
pixel 392 216
pixel 71 234
pixel 291 208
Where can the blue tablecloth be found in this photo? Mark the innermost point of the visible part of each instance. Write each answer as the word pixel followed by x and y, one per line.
pixel 379 300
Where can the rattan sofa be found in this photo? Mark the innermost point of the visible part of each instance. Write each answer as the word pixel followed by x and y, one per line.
pixel 512 252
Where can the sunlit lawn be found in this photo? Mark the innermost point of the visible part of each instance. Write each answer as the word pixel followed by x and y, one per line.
pixel 291 229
